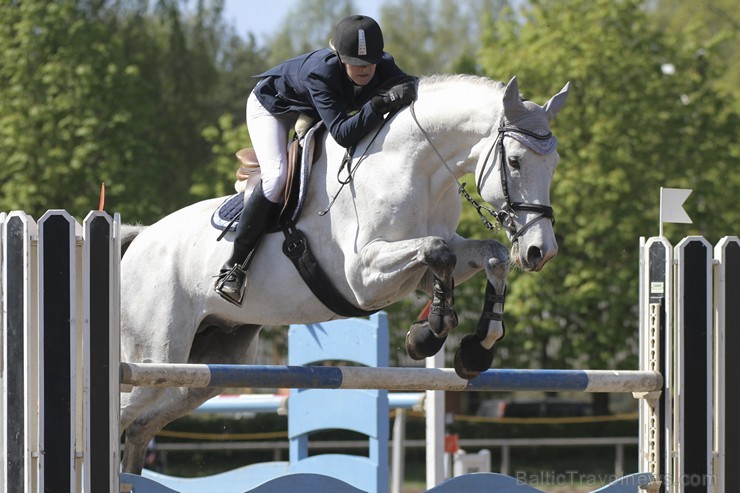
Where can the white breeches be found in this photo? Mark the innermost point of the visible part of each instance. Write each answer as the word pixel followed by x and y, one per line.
pixel 269 134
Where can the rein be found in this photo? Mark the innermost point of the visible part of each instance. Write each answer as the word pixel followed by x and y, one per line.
pixel 505 216
pixel 347 165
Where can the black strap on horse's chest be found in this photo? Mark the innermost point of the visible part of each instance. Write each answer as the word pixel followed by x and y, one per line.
pixel 296 248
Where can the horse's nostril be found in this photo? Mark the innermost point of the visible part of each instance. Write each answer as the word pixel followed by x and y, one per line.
pixel 534 256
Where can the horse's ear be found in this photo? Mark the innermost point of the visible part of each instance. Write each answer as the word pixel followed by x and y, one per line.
pixel 513 106
pixel 556 102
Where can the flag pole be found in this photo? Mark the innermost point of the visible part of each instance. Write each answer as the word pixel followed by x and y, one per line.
pixel 101 204
pixel 660 217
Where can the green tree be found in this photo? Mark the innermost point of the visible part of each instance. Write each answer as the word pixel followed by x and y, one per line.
pixel 217 177
pixel 101 91
pixel 436 36
pixel 705 27
pixel 240 60
pixel 628 129
pixel 307 27
pixel 425 36
pixel 55 114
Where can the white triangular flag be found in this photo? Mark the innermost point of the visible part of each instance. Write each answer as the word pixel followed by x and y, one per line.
pixel 671 205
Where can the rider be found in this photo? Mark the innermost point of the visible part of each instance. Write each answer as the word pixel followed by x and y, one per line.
pixel 340 85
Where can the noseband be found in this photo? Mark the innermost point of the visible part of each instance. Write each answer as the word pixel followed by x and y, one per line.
pixel 506 216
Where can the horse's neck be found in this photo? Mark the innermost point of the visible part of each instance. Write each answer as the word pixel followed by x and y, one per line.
pixel 458 118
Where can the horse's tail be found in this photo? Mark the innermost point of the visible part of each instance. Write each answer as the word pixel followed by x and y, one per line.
pixel 129 232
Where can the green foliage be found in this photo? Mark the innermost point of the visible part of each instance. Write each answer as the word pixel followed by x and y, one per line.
pixel 705 27
pixel 424 36
pixel 56 106
pixel 217 177
pixel 436 36
pixel 110 94
pixel 307 27
pixel 627 129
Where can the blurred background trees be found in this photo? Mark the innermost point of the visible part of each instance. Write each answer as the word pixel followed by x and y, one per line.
pixel 148 96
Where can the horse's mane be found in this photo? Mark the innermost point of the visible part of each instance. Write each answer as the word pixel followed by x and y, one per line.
pixel 451 94
pixel 431 80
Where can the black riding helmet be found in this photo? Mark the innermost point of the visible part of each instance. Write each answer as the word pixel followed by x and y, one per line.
pixel 358 40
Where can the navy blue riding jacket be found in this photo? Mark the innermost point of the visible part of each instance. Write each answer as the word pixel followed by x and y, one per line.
pixel 317 85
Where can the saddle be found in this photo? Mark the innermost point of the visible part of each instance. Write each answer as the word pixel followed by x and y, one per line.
pixel 301 154
pixel 250 167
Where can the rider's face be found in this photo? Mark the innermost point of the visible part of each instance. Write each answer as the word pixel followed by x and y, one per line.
pixel 360 75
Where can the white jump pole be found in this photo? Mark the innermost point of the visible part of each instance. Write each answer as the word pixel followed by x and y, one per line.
pixel 693 395
pixel 19 372
pixel 101 359
pixel 727 367
pixel 656 315
pixel 58 325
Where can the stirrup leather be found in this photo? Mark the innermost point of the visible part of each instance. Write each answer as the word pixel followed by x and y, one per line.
pixel 231 284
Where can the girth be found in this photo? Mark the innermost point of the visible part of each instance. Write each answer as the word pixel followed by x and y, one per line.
pixel 296 248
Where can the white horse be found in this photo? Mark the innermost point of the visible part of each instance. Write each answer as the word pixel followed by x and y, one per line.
pixel 390 231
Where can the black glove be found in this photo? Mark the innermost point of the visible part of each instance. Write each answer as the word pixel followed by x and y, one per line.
pixel 396 97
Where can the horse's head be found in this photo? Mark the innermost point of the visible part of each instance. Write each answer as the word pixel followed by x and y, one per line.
pixel 524 158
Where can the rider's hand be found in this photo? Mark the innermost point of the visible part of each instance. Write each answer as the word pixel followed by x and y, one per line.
pixel 396 97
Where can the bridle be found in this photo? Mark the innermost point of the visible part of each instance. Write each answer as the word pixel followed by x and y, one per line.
pixel 505 218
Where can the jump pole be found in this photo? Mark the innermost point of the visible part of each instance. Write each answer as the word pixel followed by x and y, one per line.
pixel 18 359
pixel 59 333
pixel 727 367
pixel 693 389
pixel 407 379
pixel 101 255
pixel 656 348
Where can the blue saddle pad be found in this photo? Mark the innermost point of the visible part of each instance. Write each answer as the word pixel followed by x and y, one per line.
pixel 227 211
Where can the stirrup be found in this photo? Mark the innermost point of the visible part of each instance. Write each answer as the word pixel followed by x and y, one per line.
pixel 231 284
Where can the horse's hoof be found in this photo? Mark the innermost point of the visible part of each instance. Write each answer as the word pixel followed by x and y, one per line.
pixel 471 358
pixel 460 369
pixel 421 342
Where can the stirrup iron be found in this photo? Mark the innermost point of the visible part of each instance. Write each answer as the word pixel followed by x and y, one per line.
pixel 237 274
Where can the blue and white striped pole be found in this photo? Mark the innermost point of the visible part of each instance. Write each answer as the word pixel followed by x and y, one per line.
pixel 406 379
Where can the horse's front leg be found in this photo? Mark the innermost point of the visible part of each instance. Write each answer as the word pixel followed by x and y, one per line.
pixel 476 350
pixel 405 265
pixel 442 317
pixel 426 337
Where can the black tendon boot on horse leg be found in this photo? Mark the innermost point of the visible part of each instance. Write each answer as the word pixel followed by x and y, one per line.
pixel 258 216
pixel 471 358
pixel 426 337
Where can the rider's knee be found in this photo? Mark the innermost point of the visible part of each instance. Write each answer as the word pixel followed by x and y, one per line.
pixel 273 187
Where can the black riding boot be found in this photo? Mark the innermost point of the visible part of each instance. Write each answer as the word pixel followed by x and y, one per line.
pixel 258 216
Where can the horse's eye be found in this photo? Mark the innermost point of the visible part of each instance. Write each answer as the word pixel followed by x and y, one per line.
pixel 514 162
